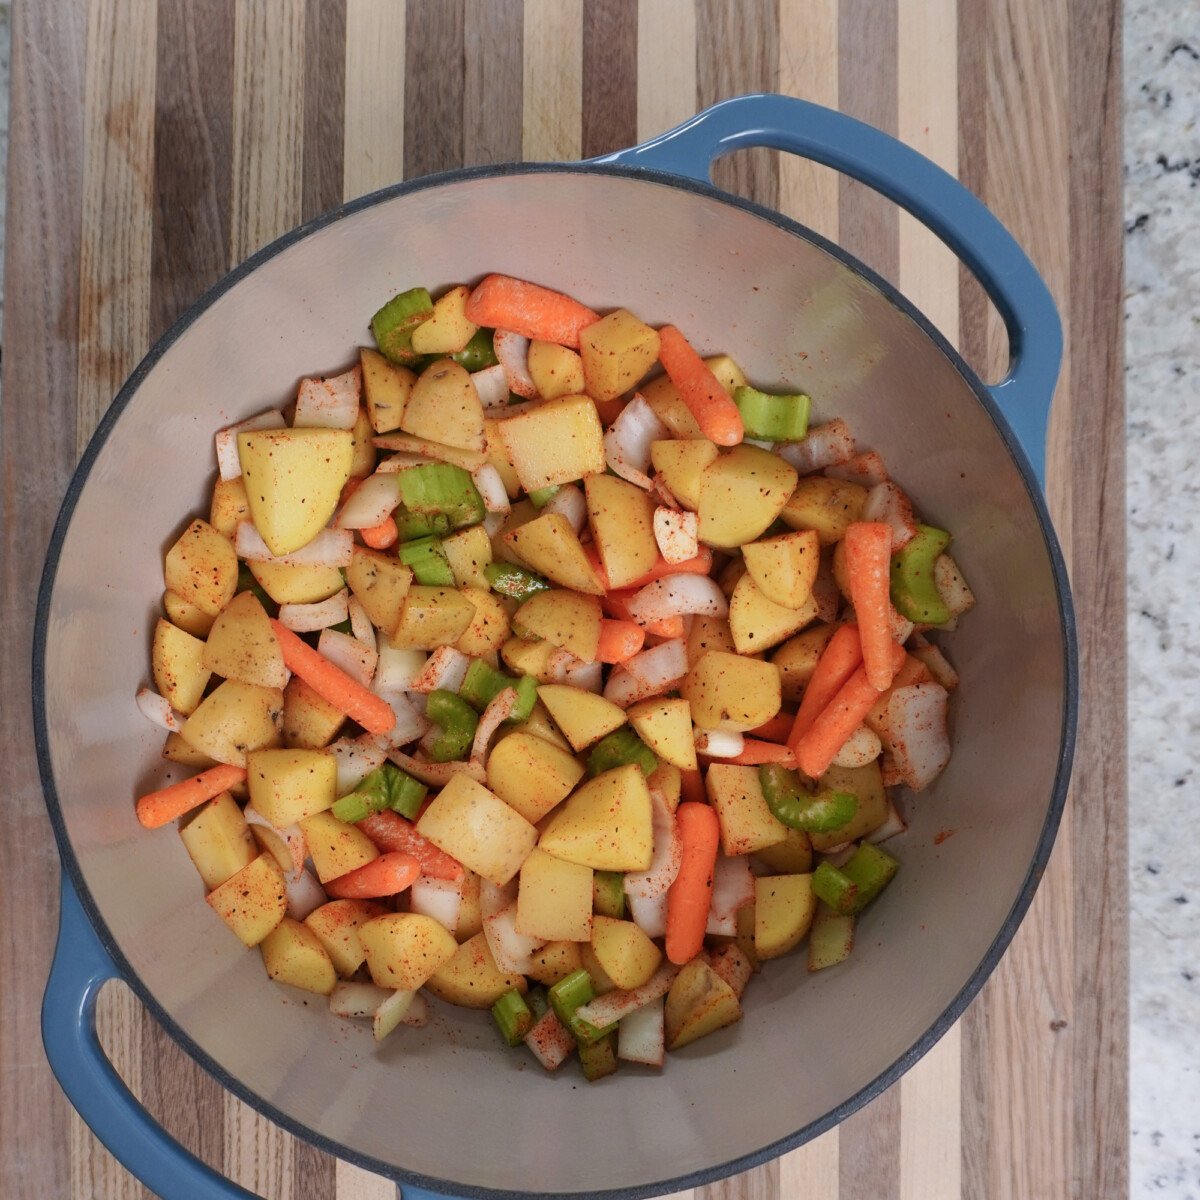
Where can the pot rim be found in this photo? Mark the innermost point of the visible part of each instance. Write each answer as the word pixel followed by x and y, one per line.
pixel 765 1153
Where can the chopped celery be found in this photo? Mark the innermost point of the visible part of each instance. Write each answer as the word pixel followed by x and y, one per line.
pixel 434 489
pixel 914 589
pixel 835 889
pixel 428 560
pixel 619 749
pixel 526 688
pixel 608 893
pixel 569 995
pixel 394 323
pixel 513 1016
pixel 482 684
pixel 385 787
pixel 790 803
pixel 773 418
pixel 514 582
pixel 599 1059
pixel 542 496
pixel 247 583
pixel 478 353
pixel 870 870
pixel 410 525
pixel 831 938
pixel 455 719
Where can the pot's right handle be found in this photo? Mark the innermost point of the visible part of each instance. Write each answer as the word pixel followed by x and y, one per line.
pixel 932 195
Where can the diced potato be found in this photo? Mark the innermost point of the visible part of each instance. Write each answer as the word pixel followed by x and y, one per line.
pixel 336 848
pixel 386 387
pixel 699 1002
pixel 310 722
pixel 549 544
pixel 362 447
pixel 542 725
pixel 186 616
pixel 665 725
pixel 784 906
pixel 180 675
pixel 792 856
pixel 682 463
pixel 468 551
pixel 294 479
pixel 336 925
pixel 297 584
pixel 741 494
pixel 242 645
pixel 627 955
pixel 288 785
pixel 555 961
pixel 730 693
pixel 554 902
pixel 606 824
pixel 583 717
pixel 235 718
pixel 529 656
pixel 757 623
pixel 432 617
pixel 407 443
pixel 405 949
pixel 866 783
pixel 785 567
pixel 829 506
pixel 708 633
pixel 293 954
pixel 175 749
pixel 444 407
pixel 253 901
pixel 663 396
pixel 797 658
pixel 667 780
pixel 531 775
pixel 475 826
pixel 230 506
pixel 497 455
pixel 521 514
pixel 470 913
pixel 489 626
pixel 555 370
pixel 733 966
pixel 218 841
pixel 622 519
pixel 557 442
pixel 380 583
pixel 202 569
pixel 567 619
pixel 289 853
pixel 471 978
pixel 448 331
pixel 745 934
pixel 747 824
pixel 617 351
pixel 952 586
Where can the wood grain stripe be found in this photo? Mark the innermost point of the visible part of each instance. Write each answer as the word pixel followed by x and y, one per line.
pixel 666 68
pixel 353 1183
pixel 374 96
pixel 552 80
pixel 433 87
pixel 324 105
pixel 493 44
pixel 610 75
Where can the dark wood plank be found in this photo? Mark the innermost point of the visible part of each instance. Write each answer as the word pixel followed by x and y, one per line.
pixel 433 86
pixel 610 58
pixel 493 44
pixel 324 104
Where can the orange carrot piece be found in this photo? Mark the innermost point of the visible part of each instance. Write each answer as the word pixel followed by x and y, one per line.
pixel 501 302
pixel 868 565
pixel 776 729
pixel 690 896
pixel 711 405
pixel 844 714
pixel 391 833
pixel 838 661
pixel 332 684
pixel 156 809
pixel 619 640
pixel 609 410
pixel 616 604
pixel 382 876
pixel 381 536
pixel 755 753
pixel 691 787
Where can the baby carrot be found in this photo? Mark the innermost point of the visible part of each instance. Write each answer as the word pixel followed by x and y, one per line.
pixel 691 786
pixel 776 729
pixel 690 896
pixel 332 684
pixel 711 405
pixel 868 565
pixel 382 876
pixel 838 661
pixel 755 753
pixel 381 536
pixel 501 302
pixel 156 809
pixel 391 833
pixel 616 604
pixel 619 640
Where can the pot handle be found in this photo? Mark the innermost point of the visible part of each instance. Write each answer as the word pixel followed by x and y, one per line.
pixel 932 195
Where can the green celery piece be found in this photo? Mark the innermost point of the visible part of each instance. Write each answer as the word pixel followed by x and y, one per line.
pixel 914 589
pixel 407 795
pixel 870 870
pixel 835 889
pixel 538 1001
pixel 478 353
pixel 352 808
pixel 456 720
pixel 514 582
pixel 773 418
pixel 540 497
pixel 619 749
pixel 394 323
pixel 831 938
pixel 513 1016
pixel 434 489
pixel 798 809
pixel 608 893
pixel 247 583
pixel 526 689
pixel 482 684
pixel 599 1059
pixel 428 561
pixel 569 995
pixel 411 526
pixel 385 787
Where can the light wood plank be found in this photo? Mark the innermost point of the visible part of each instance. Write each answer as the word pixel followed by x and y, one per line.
pixel 324 105
pixel 610 75
pixel 353 1183
pixel 493 44
pixel 434 86
pixel 552 80
pixel 931 1124
pixel 258 1155
pixel 812 1172
pixel 666 84
pixel 374 106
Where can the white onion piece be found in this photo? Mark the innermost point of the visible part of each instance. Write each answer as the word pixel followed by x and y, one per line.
pixel 550 1041
pixel 649 673
pixel 512 951
pixel 355 999
pixel 888 774
pixel 391 1012
pixel 436 774
pixel 491 386
pixel 650 916
pixel 440 899
pixel 677 596
pixel 330 548
pixel 885 502
pixel 512 351
pixel 373 501
pixel 667 856
pixel 446 669
pixel 493 523
pixel 560 665
pixel 288 846
pixel 494 898
pixel 867 469
pixel 498 711
pixel 569 502
pixel 229 465
pixel 491 489
pixel 861 747
pixel 902 628
pixel 304 895
pixel 587 677
pixel 914 730
pixel 938 664
pixel 733 888
pixel 308 618
pixel 824 446
pixel 718 744
pixel 664 495
pixel 840 855
pixel 613 1006
pixel 628 440
pixel 895 824
pixel 329 403
pixel 395 463
pixel 676 533
pixel 361 627
pixel 356 758
pixel 158 711
pixel 397 669
pixel 418 1011
pixel 410 721
pixel 641 1036
pixel 348 654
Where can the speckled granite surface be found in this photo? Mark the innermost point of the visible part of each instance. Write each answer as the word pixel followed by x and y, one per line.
pixel 1162 209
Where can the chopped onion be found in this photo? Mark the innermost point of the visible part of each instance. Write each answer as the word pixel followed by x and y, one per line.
pixel 717 744
pixel 677 596
pixel 587 677
pixel 330 548
pixel 839 856
pixel 867 469
pixel 410 721
pixel 398 669
pixel 391 1012
pixel 952 587
pixel 356 758
pixel 733 888
pixel 667 857
pixel 304 895
pixel 308 618
pixel 649 673
pixel 888 773
pixel 158 711
pixel 902 628
pixel 395 463
pixel 613 1006
pixel 512 351
pixel 641 1035
pixel 560 664
pixel 861 747
pixel 628 440
pixel 512 951
pixel 329 403
pixel 550 1041
pixel 288 846
pixel 676 534
pixel 664 494
pixel 887 503
pixel 761 443
pixel 373 501
pixel 914 729
pixel 937 663
pixel 491 385
pixel 491 488
pixel 228 463
pixel 650 916
pixel 825 446
pixel 446 669
pixel 361 627
pixel 493 523
pixel 440 899
pixel 894 825
pixel 569 502
pixel 495 898
pixel 498 711
pixel 418 1011
pixel 426 451
pixel 436 774
pixel 348 654
pixel 353 999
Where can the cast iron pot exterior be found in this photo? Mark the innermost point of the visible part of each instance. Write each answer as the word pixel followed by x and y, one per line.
pixel 446 1107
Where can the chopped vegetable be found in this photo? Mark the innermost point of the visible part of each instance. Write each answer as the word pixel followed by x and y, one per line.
pixel 868 551
pixel 502 302
pixel 383 876
pixel 567 997
pixel 514 582
pixel 619 749
pixel 456 721
pixel 773 418
pixel 608 893
pixel 156 809
pixel 599 1059
pixel 441 490
pixel 394 323
pixel 385 787
pixel 428 561
pixel 839 660
pixel 513 1017
pixel 699 389
pixel 478 354
pixel 389 832
pixel 690 896
pixel 798 809
pixel 914 589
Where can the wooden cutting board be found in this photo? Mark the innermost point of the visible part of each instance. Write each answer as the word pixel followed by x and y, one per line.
pixel 154 145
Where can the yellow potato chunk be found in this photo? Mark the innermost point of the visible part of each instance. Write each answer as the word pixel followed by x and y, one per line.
pixel 622 519
pixel 489 626
pixel 784 907
pixel 175 749
pixel 665 725
pixel 470 913
pixel 797 658
pixel 792 856
pixel 550 545
pixel 699 1002
pixel 299 583
pixel 230 506
pixel 448 331
pixel 529 656
pixel 336 848
pixel 583 717
pixel 567 619
pixel 336 924
pixel 555 370
pixel 186 616
pixel 432 617
pixel 253 901
pixel 177 659
pixel 471 978
pixel 555 961
pixel 530 774
pixel 218 841
pixel 404 949
pixel 558 441
pixel 682 462
pixel 785 567
pixel 828 506
pixel 606 824
pixel 747 824
pixel 288 785
pixel 617 351
pixel 362 446
pixel 381 584
pixel 708 633
pixel 235 718
pixel 627 955
pixel 201 569
pixel 741 494
pixel 468 551
pixel 497 454
pixel 554 902
pixel 757 623
pixel 663 396
pixel 444 406
pixel 242 645
pixel 293 954
pixel 386 386
pixel 730 693
pixel 310 722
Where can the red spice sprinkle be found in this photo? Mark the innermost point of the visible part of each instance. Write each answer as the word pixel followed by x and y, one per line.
pixel 941 837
